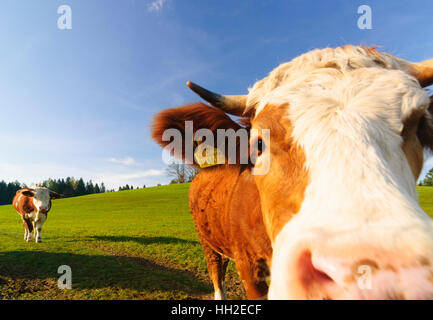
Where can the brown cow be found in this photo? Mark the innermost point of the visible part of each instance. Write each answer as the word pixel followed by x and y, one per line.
pixel 335 215
pixel 33 205
pixel 217 202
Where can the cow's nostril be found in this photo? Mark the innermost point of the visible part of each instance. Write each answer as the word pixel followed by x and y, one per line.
pixel 313 280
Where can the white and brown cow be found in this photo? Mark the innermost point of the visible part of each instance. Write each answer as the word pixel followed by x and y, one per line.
pixel 337 214
pixel 33 205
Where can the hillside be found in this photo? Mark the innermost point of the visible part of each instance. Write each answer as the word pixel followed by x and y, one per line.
pixel 138 244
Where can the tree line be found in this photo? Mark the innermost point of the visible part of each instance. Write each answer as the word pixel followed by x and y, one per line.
pixel 181 172
pixel 428 179
pixel 69 187
pixel 8 190
pixel 127 187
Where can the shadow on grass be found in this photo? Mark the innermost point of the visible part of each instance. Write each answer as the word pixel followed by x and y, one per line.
pixel 144 240
pixel 101 271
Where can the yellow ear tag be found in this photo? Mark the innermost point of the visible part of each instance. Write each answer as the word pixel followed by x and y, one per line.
pixel 208 156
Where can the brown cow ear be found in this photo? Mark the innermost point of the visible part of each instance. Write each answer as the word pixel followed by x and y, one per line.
pixel 28 193
pixel 55 195
pixel 200 115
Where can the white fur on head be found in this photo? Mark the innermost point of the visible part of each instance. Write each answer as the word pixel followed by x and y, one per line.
pixel 345 59
pixel 41 197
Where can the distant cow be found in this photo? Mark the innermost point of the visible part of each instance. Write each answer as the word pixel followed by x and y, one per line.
pixel 337 214
pixel 33 205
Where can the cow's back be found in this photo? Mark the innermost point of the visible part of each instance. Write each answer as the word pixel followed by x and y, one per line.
pixel 225 205
pixel 23 204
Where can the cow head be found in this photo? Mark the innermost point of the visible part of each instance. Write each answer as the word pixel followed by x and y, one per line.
pixel 41 197
pixel 345 155
pixel 348 128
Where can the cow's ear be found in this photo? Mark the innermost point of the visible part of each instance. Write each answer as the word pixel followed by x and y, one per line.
pixel 201 116
pixel 55 195
pixel 28 193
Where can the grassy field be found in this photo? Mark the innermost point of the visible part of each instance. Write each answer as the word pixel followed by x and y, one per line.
pixel 138 244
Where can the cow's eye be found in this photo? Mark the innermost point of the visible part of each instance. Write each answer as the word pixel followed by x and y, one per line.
pixel 260 146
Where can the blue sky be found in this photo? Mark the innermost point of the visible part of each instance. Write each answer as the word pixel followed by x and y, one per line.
pixel 79 102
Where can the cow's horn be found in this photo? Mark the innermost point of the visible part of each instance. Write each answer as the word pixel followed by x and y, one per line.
pixel 229 103
pixel 424 72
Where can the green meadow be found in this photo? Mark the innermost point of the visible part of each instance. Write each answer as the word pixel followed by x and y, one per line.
pixel 138 244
